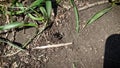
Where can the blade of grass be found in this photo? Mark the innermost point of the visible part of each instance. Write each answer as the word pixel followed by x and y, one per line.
pixel 9 26
pixel 16 24
pixel 18 6
pixel 29 24
pixel 11 44
pixel 98 15
pixel 22 8
pixel 36 3
pixel 32 6
pixel 76 15
pixel 14 45
pixel 19 12
pixel 43 11
pixel 35 18
pixel 48 7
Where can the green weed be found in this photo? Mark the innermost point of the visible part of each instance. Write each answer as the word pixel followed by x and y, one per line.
pixel 39 10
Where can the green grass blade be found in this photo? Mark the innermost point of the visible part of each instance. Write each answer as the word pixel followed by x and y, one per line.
pixel 76 15
pixel 11 44
pixel 48 7
pixel 30 24
pixel 19 12
pixel 35 18
pixel 36 3
pixel 98 15
pixel 15 25
pixel 20 5
pixel 32 6
pixel 9 26
pixel 14 45
pixel 43 11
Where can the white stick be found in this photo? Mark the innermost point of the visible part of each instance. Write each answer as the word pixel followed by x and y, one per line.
pixel 91 5
pixel 54 45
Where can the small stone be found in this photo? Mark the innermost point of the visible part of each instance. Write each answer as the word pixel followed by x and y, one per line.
pixel 91 48
pixel 102 57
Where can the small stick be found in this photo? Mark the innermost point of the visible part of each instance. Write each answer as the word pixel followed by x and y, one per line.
pixel 92 5
pixel 54 45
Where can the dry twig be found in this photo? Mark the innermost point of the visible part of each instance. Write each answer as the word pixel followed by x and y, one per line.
pixel 92 5
pixel 54 45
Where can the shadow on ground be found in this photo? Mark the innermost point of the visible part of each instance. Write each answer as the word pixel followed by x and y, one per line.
pixel 112 52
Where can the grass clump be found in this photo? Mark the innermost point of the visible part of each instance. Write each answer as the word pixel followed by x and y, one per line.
pixel 39 10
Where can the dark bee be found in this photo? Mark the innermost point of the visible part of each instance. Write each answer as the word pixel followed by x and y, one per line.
pixel 58 35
